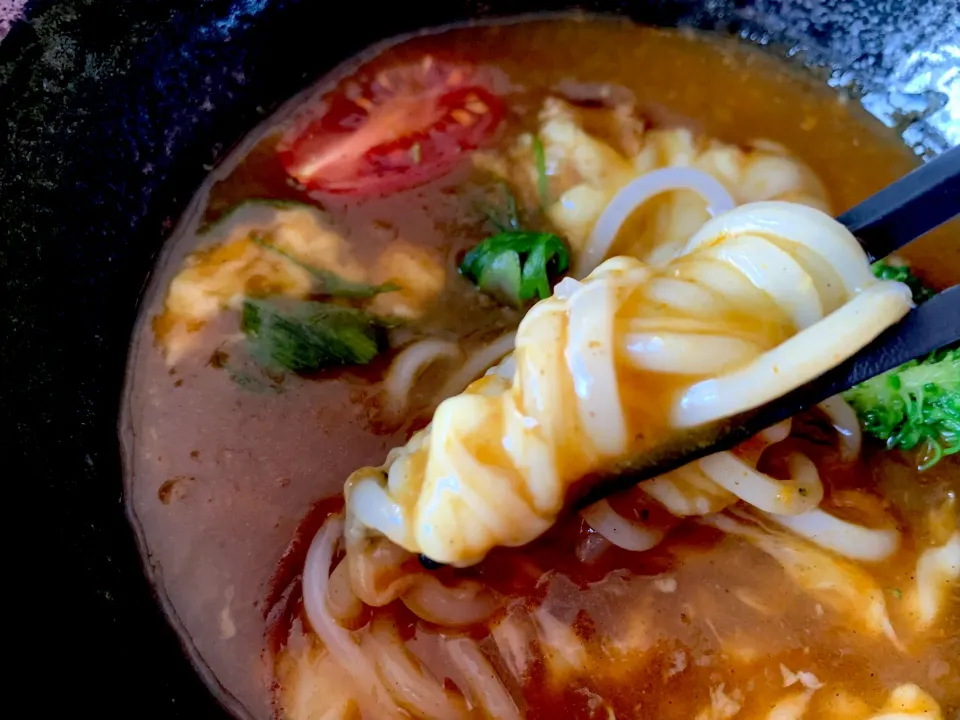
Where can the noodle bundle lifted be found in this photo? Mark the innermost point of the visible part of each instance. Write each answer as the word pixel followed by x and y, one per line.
pixel 762 299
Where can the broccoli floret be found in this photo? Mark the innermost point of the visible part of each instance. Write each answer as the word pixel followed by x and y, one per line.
pixel 902 273
pixel 917 404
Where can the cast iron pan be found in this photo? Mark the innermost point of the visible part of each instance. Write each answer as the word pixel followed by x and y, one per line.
pixel 111 114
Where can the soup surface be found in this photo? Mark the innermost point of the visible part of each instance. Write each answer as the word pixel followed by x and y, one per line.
pixel 226 459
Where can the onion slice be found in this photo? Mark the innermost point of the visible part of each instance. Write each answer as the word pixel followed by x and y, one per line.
pixel 408 366
pixel 634 194
pixel 476 365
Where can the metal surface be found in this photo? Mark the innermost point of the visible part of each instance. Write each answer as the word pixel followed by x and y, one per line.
pixel 909 208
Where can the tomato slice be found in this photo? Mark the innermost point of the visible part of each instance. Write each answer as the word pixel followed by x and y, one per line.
pixel 409 125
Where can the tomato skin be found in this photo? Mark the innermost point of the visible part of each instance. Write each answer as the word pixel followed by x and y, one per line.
pixel 405 129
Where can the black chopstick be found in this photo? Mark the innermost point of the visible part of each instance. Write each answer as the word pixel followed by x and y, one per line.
pixel 912 206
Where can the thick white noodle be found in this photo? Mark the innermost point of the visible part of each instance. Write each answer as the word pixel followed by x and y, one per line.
pixel 619 530
pixel 477 364
pixel 634 194
pixel 412 686
pixel 788 224
pixel 776 433
pixel 407 367
pixel 566 287
pixel 848 539
pixel 684 354
pixel 775 272
pixel 590 359
pixel 467 603
pixel 340 643
pixel 485 690
pixel 845 422
pixel 802 492
pixel 688 491
pixel 342 602
pixel 837 337
pixel 371 505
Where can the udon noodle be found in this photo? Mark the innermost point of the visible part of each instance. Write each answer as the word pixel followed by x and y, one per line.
pixel 762 299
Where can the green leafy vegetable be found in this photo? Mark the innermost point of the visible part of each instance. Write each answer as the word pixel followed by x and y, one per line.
pixel 328 282
pixel 307 336
pixel 902 273
pixel 502 220
pixel 543 182
pixel 516 266
pixel 917 404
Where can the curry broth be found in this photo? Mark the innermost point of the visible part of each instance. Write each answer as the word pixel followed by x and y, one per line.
pixel 220 473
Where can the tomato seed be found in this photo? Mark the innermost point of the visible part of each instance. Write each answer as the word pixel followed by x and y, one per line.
pixel 463 117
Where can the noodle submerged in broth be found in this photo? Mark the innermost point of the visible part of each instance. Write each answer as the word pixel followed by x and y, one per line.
pixel 499 277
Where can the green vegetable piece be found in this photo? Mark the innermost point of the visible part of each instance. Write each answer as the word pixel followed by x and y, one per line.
pixel 502 278
pixel 502 220
pixel 516 266
pixel 915 405
pixel 327 281
pixel 307 336
pixel 902 273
